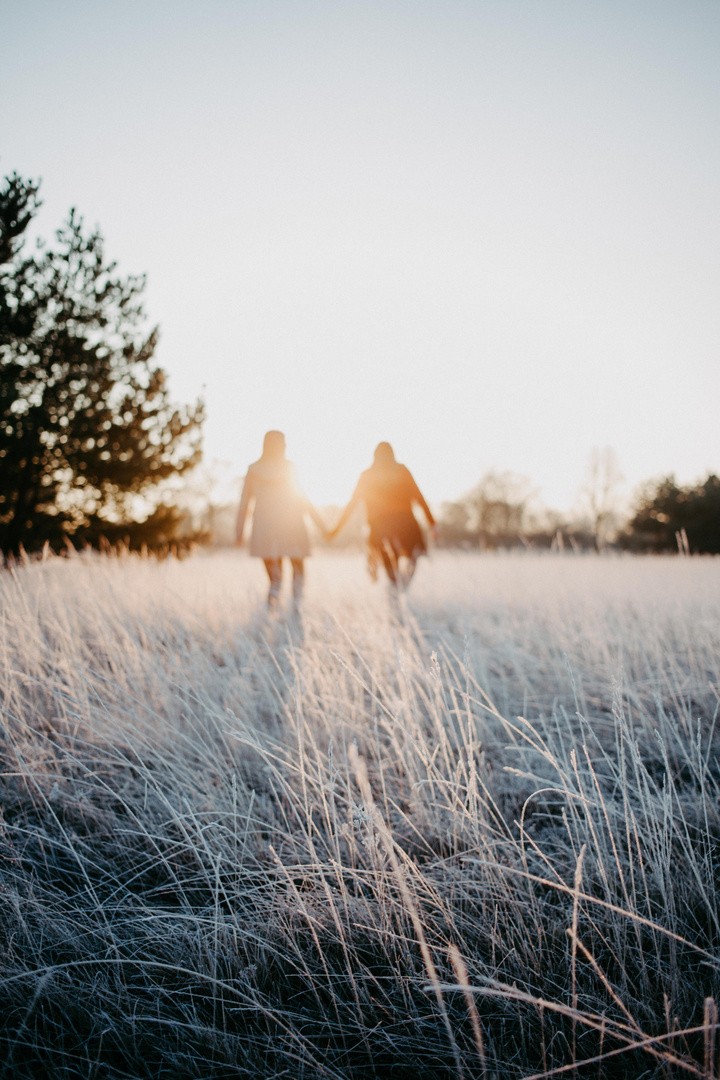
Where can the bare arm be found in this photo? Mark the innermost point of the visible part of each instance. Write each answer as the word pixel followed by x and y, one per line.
pixel 346 514
pixel 312 513
pixel 416 496
pixel 247 494
pixel 306 506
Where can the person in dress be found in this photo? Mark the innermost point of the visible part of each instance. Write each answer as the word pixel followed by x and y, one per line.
pixel 388 492
pixel 280 507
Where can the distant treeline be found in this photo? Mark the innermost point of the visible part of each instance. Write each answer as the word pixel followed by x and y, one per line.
pixel 665 517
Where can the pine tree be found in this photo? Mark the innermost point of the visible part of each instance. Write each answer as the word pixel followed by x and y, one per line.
pixel 668 517
pixel 86 422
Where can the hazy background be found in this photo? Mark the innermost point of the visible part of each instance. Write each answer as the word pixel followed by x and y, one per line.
pixel 488 232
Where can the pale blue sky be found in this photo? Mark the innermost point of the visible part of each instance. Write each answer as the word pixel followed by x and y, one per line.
pixel 488 232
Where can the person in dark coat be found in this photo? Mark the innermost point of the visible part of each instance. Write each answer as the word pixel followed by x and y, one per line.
pixel 388 491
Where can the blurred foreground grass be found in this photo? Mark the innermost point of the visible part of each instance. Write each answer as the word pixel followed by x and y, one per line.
pixel 472 833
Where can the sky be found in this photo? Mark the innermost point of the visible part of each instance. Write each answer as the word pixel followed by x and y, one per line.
pixel 487 232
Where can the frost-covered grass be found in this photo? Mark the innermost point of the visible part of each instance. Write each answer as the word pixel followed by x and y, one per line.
pixel 473 833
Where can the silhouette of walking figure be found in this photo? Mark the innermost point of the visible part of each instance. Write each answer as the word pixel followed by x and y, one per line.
pixel 278 527
pixel 388 491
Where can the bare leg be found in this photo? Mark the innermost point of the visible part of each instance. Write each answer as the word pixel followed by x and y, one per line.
pixel 298 570
pixel 274 572
pixel 409 570
pixel 390 562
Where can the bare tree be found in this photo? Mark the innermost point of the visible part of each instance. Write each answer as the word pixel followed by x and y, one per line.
pixel 492 515
pixel 601 493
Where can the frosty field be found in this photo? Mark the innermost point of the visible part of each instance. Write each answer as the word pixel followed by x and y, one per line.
pixel 471 833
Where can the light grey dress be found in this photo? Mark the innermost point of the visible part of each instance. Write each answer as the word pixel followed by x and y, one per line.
pixel 278 526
